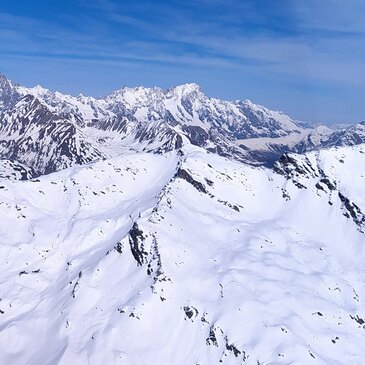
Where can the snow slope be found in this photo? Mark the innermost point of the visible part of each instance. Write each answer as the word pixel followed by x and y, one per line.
pixel 186 258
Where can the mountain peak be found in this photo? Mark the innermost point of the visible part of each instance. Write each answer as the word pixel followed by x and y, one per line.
pixel 189 88
pixel 2 77
pixel 8 93
pixel 29 103
pixel 4 82
pixel 131 95
pixel 254 106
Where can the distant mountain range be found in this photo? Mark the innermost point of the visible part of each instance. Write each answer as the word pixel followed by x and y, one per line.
pixel 47 131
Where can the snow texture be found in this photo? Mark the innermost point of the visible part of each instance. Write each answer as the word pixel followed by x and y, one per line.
pixel 185 258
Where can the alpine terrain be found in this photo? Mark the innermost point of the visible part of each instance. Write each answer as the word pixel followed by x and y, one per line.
pixel 155 226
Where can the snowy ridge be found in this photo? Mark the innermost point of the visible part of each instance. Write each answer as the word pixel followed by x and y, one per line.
pixel 350 136
pixel 178 258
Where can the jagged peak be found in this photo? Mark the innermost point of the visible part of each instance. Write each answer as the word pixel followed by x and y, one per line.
pixel 37 91
pixel 31 102
pixel 127 93
pixel 5 82
pixel 136 89
pixel 258 107
pixel 353 127
pixel 27 101
pixel 141 89
pixel 2 77
pixel 40 89
pixel 180 90
pixel 247 102
pixel 254 106
pixel 185 90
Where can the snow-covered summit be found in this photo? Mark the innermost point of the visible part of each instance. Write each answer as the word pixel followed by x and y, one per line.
pixel 185 89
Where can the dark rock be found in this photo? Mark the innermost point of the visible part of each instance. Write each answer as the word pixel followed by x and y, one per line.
pixel 212 339
pixel 191 312
pixel 136 242
pixel 183 174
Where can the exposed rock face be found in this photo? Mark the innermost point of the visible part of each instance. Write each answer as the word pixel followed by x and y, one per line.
pixel 39 138
pixel 8 93
pixel 301 168
pixel 14 170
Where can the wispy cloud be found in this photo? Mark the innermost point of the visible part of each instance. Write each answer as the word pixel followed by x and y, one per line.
pixel 192 38
pixel 299 42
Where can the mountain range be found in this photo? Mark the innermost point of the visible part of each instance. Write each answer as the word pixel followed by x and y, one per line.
pixel 156 226
pixel 47 131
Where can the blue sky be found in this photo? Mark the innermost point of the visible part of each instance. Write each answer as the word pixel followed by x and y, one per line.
pixel 303 57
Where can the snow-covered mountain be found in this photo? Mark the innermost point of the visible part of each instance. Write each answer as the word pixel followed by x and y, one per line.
pixel 350 136
pixel 86 129
pixel 37 137
pixel 158 226
pixel 186 258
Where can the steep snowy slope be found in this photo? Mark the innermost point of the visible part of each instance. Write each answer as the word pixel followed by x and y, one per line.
pixel 34 135
pixel 186 258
